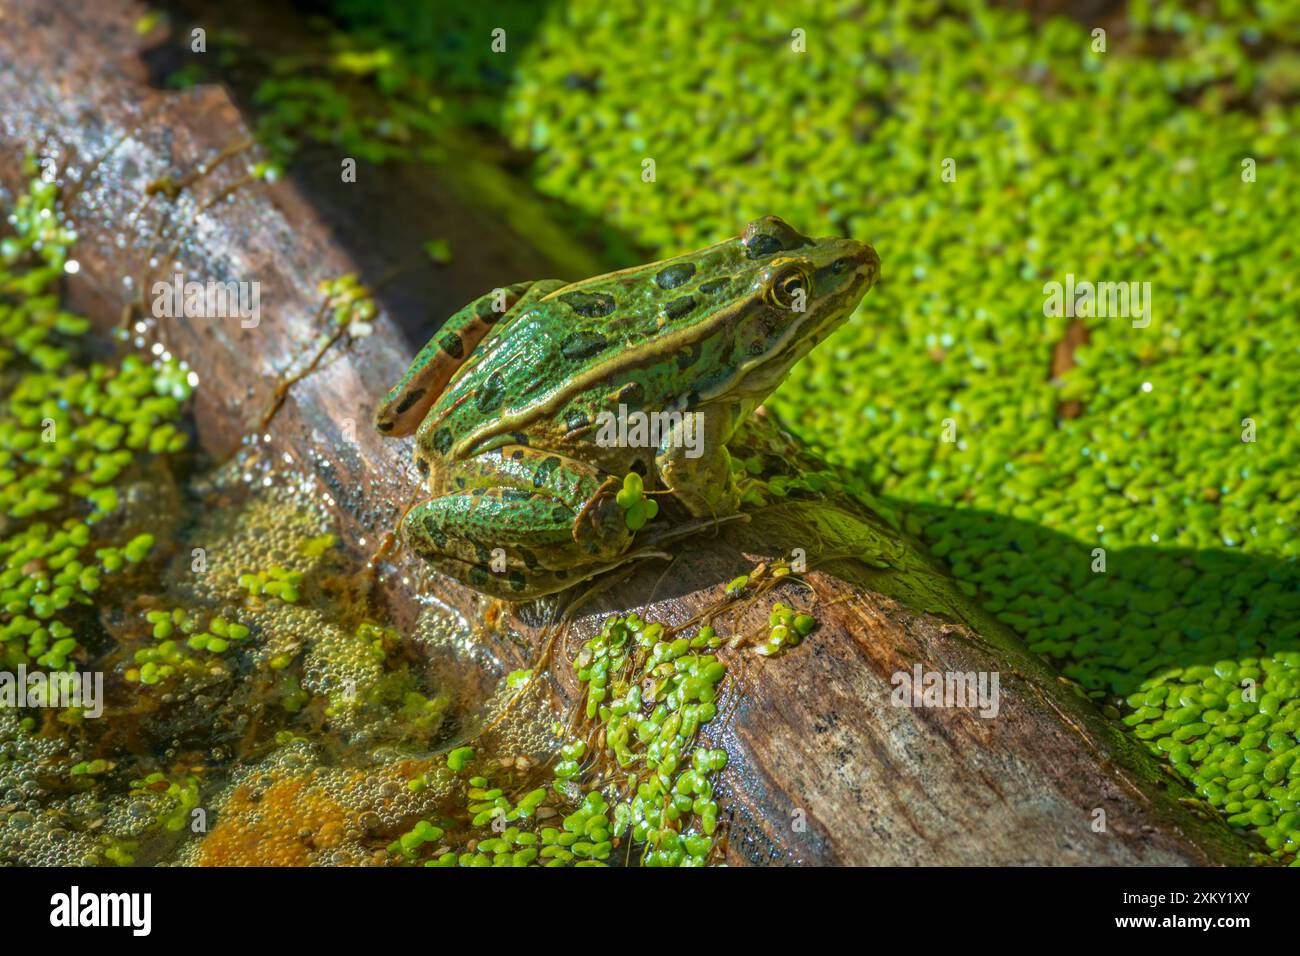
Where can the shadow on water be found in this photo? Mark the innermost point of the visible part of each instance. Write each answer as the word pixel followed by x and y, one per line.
pixel 1152 608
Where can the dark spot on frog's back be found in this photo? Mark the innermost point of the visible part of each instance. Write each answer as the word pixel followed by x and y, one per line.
pixel 688 357
pixel 582 344
pixel 678 308
pixel 762 245
pixel 769 235
pixel 592 305
pixel 410 399
pixel 489 393
pixel 714 285
pixel 442 440
pixel 435 533
pixel 544 471
pixel 576 421
pixel 632 395
pixel 674 275
pixel 488 313
pixel 452 345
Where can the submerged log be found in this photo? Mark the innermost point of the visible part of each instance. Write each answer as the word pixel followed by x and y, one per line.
pixel 825 767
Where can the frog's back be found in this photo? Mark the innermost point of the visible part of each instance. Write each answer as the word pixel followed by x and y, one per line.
pixel 636 337
pixel 656 337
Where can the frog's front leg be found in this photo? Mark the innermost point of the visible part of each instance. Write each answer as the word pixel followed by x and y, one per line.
pixel 517 522
pixel 693 462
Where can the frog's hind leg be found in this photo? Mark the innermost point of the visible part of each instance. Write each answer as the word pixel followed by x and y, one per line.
pixel 519 523
pixel 406 404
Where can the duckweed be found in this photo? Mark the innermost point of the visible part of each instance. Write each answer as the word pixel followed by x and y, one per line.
pixel 459 758
pixel 632 498
pixel 307 99
pixel 182 794
pixel 179 634
pixel 647 695
pixel 788 628
pixel 409 843
pixel 275 582
pixel 351 305
pixel 1232 729
pixel 651 696
pixel 316 546
pixel 69 433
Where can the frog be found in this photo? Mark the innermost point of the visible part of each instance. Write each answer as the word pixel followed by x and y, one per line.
pixel 510 399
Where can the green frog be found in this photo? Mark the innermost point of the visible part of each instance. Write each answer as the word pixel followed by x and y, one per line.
pixel 511 401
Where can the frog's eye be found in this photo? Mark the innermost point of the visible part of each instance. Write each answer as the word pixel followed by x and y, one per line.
pixel 790 289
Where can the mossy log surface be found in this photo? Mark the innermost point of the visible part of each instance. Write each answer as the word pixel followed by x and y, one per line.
pixel 823 769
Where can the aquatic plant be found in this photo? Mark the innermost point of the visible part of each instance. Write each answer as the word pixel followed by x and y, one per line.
pixel 71 434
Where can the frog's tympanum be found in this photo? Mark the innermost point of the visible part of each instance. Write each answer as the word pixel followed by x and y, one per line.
pixel 507 400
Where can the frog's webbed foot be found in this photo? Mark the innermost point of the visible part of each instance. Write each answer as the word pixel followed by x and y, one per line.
pixel 520 523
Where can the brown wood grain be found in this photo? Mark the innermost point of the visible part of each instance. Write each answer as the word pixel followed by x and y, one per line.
pixel 823 768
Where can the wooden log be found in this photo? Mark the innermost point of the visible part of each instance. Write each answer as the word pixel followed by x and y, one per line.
pixel 824 767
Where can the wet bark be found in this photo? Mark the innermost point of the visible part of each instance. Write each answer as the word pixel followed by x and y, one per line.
pixel 824 767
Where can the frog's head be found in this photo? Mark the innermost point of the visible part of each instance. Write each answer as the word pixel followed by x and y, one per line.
pixel 796 290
